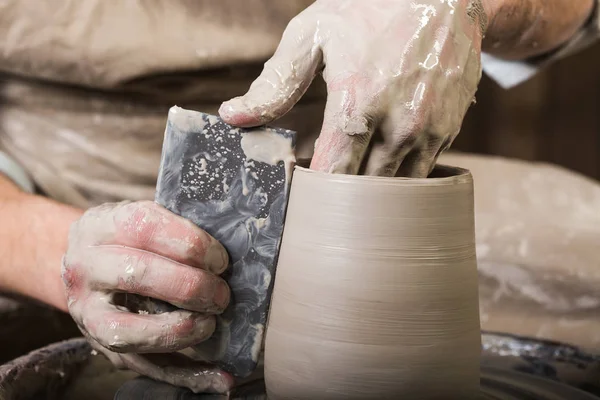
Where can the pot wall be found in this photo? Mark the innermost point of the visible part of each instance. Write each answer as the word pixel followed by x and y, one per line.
pixel 376 290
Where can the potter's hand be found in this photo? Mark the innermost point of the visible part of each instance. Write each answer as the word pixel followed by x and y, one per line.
pixel 119 255
pixel 400 75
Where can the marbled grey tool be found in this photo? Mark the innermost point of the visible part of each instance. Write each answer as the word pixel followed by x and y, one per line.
pixel 233 183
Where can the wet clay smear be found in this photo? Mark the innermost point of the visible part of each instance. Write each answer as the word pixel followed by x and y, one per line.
pixel 233 183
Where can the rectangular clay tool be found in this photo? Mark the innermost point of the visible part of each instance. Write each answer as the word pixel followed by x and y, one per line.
pixel 234 184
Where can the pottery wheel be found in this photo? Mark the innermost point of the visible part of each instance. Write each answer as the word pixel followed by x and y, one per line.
pixel 512 368
pixel 496 383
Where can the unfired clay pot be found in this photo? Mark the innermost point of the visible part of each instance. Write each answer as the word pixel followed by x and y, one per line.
pixel 376 290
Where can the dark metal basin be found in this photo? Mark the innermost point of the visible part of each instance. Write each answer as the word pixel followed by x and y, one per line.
pixel 512 367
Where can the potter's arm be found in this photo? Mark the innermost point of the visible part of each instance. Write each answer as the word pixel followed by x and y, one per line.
pixel 519 29
pixel 524 36
pixel 391 65
pixel 33 238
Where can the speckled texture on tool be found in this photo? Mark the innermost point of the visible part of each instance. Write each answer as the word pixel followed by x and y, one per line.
pixel 206 178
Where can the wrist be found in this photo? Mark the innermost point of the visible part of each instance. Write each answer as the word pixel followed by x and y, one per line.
pixel 490 7
pixel 52 225
pixel 34 240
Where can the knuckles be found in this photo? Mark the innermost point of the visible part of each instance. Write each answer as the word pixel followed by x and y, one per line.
pixel 195 289
pixel 140 220
pixel 72 276
pixel 194 245
pixel 200 327
pixel 112 224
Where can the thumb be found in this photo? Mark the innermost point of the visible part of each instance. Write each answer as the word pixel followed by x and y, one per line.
pixel 283 81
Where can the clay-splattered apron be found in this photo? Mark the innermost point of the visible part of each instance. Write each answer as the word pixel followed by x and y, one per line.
pixel 87 84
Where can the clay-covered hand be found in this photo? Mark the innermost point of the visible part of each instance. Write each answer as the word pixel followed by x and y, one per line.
pixel 121 255
pixel 400 77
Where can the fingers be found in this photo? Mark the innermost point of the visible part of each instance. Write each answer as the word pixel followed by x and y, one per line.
pixel 148 226
pixel 112 268
pixel 346 133
pixel 418 163
pixel 143 388
pixel 411 143
pixel 398 137
pixel 421 159
pixel 384 159
pixel 141 250
pixel 181 371
pixel 123 331
pixel 173 368
pixel 283 81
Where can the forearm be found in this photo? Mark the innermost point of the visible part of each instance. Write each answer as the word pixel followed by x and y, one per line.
pixel 519 29
pixel 33 239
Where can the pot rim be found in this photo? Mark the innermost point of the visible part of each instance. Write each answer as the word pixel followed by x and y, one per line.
pixel 441 175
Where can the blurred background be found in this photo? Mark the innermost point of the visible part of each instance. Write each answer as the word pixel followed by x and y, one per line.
pixel 553 117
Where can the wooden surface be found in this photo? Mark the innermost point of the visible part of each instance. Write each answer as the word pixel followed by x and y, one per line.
pixel 553 117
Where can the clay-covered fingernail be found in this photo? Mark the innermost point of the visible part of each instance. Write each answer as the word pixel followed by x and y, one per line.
pixel 222 294
pixel 232 107
pixel 216 258
pixel 237 112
